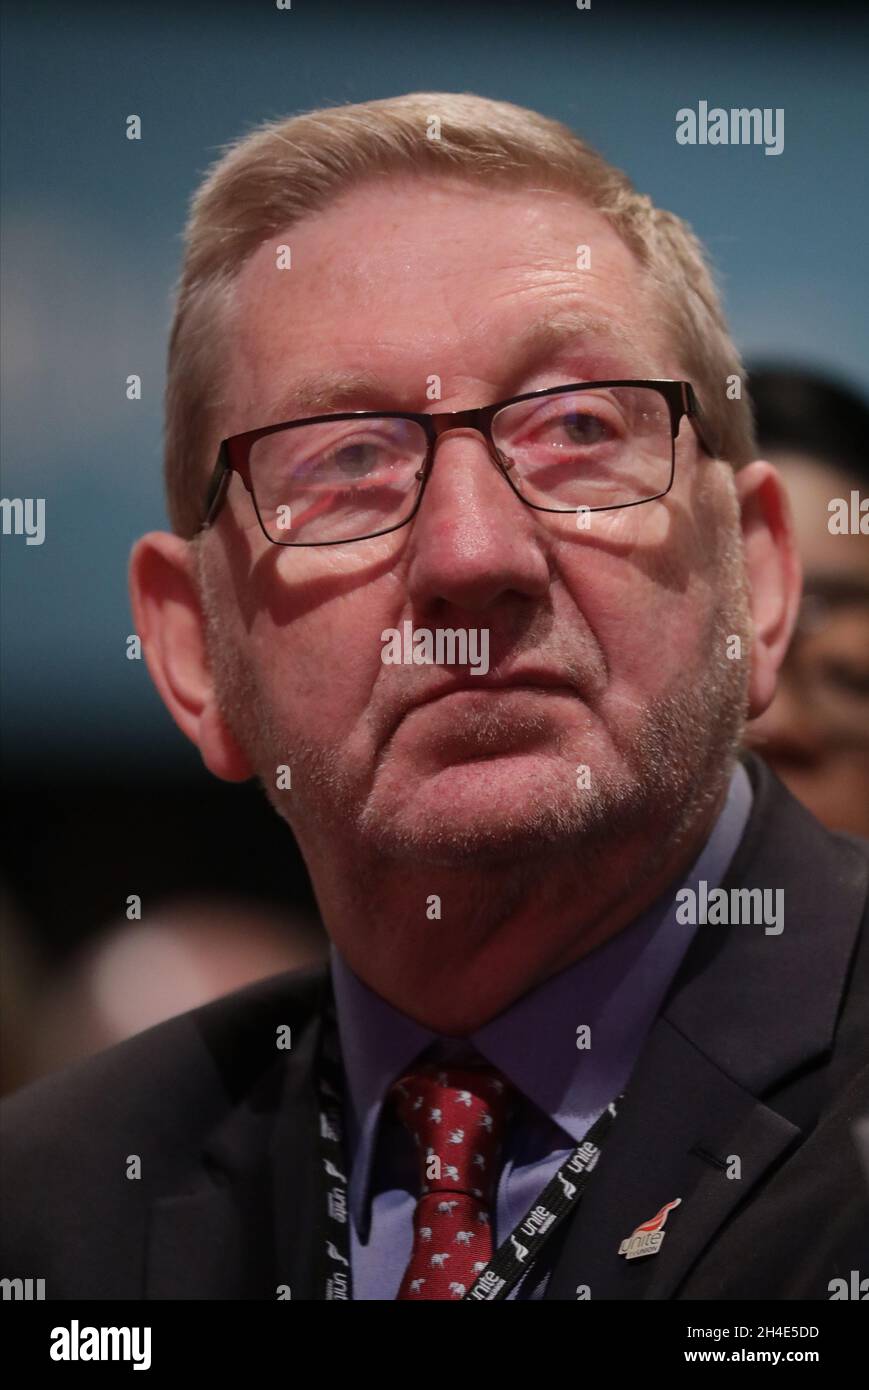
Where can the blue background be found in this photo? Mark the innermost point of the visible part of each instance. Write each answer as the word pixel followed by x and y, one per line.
pixel 92 247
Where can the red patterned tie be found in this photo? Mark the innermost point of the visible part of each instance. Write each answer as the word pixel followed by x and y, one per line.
pixel 457 1117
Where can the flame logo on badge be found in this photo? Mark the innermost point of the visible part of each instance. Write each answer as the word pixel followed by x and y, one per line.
pixel 648 1238
pixel 657 1221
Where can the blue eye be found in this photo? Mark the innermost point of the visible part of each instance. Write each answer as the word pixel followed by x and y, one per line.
pixel 585 429
pixel 355 460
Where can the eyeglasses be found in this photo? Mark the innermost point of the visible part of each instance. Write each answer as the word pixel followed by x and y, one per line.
pixel 587 447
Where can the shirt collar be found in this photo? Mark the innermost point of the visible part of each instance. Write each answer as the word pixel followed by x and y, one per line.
pixel 616 991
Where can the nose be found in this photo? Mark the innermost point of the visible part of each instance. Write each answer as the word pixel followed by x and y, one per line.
pixel 472 539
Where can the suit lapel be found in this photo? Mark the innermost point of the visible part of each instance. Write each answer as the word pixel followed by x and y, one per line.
pixel 746 1011
pixel 295 1179
pixel 681 1126
pixel 248 1220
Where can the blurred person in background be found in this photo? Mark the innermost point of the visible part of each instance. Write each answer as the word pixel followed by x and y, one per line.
pixel 133 975
pixel 816 731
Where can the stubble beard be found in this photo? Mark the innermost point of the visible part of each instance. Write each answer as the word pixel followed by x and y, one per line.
pixel 671 770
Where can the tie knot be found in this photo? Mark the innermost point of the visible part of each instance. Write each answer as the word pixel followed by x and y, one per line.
pixel 457 1116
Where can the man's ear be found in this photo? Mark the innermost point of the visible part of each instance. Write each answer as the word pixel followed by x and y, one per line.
pixel 169 620
pixel 774 575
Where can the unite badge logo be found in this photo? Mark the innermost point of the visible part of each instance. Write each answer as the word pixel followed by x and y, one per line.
pixel 648 1238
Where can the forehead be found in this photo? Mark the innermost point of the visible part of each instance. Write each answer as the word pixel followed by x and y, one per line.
pixel 412 277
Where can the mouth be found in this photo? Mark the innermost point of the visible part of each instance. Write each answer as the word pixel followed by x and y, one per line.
pixel 526 681
pixel 484 684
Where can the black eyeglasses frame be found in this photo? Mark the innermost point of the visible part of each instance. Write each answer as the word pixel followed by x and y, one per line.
pixel 234 452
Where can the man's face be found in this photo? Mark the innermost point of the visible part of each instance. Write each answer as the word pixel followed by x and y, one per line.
pixel 815 733
pixel 618 631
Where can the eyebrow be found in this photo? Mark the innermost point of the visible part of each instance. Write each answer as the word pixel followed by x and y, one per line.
pixel 317 393
pixel 550 335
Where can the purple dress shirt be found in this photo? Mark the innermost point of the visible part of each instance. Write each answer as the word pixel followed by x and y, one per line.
pixel 617 989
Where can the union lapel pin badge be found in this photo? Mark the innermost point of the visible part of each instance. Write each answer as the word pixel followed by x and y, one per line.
pixel 648 1238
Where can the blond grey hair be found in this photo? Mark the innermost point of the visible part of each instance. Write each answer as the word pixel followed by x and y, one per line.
pixel 284 170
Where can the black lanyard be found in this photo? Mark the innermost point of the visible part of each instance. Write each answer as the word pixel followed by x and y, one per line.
pixel 513 1258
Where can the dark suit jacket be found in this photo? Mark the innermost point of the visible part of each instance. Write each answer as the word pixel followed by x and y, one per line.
pixel 760 1050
